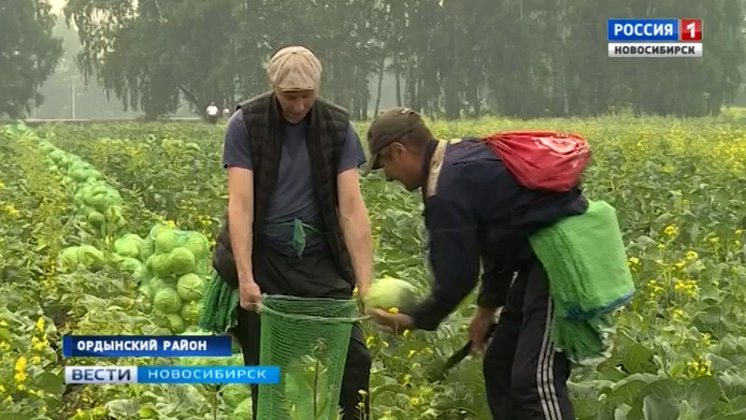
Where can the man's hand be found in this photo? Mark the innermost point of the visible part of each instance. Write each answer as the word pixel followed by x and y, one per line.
pixel 480 323
pixel 391 323
pixel 251 295
pixel 362 289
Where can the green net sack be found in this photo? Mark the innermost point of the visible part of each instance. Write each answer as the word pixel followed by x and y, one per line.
pixel 308 339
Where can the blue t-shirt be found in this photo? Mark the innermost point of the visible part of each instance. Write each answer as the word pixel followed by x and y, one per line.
pixel 294 195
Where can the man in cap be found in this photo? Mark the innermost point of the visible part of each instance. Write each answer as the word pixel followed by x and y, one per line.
pixel 297 224
pixel 475 210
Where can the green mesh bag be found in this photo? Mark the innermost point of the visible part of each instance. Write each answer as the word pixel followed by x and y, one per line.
pixel 308 339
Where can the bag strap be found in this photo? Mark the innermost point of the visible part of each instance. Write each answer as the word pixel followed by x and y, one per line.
pixel 436 164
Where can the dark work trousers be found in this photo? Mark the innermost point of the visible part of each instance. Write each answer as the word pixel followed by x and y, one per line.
pixel 525 377
pixel 311 276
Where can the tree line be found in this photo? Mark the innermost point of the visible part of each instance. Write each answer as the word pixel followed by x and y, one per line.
pixel 449 58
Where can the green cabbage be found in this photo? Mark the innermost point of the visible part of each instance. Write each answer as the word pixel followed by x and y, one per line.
pixel 190 312
pixel 146 250
pixel 128 245
pixel 165 241
pixel 235 394
pixel 190 287
pixel 96 218
pixel 387 293
pixel 167 300
pixel 198 245
pixel 68 258
pixel 90 257
pixel 132 266
pixel 181 261
pixel 160 265
pixel 175 323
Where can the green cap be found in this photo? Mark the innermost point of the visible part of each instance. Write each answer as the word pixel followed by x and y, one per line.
pixel 388 127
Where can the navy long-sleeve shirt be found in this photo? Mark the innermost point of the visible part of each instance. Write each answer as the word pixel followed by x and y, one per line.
pixel 478 217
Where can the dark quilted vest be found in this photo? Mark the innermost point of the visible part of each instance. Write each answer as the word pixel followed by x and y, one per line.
pixel 326 133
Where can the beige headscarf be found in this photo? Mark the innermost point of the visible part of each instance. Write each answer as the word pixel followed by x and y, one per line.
pixel 294 68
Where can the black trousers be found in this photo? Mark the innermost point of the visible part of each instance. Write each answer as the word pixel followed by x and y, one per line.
pixel 525 377
pixel 311 276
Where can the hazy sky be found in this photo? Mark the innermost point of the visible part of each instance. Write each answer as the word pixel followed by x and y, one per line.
pixel 57 5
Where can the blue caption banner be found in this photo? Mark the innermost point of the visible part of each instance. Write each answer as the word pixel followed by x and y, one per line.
pixel 172 374
pixel 635 30
pixel 146 346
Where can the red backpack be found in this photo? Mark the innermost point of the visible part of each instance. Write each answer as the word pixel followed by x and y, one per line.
pixel 542 160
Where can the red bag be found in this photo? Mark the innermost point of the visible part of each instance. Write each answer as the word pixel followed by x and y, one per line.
pixel 542 160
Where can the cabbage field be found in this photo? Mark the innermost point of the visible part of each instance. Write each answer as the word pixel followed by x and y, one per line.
pixel 89 211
